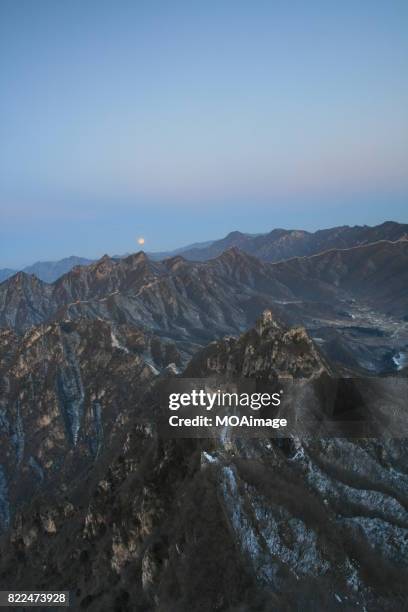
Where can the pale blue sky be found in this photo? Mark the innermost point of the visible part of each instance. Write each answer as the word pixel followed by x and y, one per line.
pixel 181 121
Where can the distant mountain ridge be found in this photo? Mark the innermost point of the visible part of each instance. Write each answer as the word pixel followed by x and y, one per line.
pixel 48 271
pixel 5 273
pixel 276 245
pixel 282 244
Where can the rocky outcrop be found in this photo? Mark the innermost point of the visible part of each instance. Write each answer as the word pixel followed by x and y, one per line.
pixel 67 389
pixel 266 352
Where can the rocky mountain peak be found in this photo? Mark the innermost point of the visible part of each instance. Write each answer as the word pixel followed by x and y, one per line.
pixel 103 261
pixel 174 263
pixel 231 253
pixel 267 321
pixel 24 279
pixel 102 267
pixel 235 234
pixel 234 254
pixel 136 259
pixel 268 351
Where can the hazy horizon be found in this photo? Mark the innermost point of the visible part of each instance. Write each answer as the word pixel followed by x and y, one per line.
pixel 182 122
pixel 137 247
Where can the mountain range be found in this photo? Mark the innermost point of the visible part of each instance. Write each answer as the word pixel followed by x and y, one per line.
pixel 129 521
pixel 273 246
pixel 93 499
pixel 192 303
pixel 284 244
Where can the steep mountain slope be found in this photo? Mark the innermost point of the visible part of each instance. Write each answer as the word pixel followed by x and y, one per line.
pixel 65 388
pixel 24 301
pixel 242 525
pixel 284 244
pixel 375 273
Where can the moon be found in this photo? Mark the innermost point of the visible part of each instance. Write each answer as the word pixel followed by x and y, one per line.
pixel 141 240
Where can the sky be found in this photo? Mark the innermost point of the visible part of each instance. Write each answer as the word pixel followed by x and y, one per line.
pixel 181 121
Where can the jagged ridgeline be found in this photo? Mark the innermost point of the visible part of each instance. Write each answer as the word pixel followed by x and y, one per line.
pixel 350 299
pixel 129 521
pixel 273 246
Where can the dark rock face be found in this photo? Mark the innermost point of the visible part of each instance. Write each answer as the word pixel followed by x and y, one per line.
pixel 373 273
pixel 24 301
pixel 198 525
pixel 66 388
